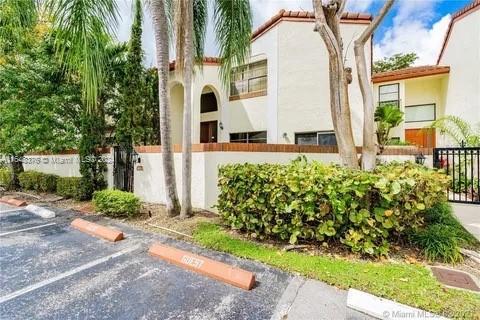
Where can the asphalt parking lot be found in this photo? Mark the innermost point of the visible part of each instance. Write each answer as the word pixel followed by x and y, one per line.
pixel 51 271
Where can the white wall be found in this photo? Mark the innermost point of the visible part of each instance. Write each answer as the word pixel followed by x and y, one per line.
pixel 303 85
pixel 462 54
pixel 149 183
pixel 297 97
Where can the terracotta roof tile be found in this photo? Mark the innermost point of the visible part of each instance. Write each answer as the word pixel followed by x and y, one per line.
pixel 407 73
pixel 206 61
pixel 475 5
pixel 347 17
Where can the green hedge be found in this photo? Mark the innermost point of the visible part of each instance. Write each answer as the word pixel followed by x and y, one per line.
pixel 38 181
pixel 69 187
pixel 29 180
pixel 116 203
pixel 316 202
pixel 48 182
pixel 5 178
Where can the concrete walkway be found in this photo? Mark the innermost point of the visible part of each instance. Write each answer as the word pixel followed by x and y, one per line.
pixel 308 299
pixel 469 216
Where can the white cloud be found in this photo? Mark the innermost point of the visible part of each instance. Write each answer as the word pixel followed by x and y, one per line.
pixel 411 32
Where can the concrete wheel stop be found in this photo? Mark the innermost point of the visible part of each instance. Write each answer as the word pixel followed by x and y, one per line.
pixel 13 202
pixel 40 211
pixel 97 230
pixel 205 266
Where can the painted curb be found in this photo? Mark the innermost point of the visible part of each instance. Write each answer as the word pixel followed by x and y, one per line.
pixel 40 211
pixel 385 309
pixel 97 230
pixel 14 202
pixel 205 266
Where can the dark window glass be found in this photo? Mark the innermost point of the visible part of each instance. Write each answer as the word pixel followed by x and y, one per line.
pixel 306 138
pixel 257 137
pixel 327 139
pixel 316 138
pixel 249 137
pixel 208 102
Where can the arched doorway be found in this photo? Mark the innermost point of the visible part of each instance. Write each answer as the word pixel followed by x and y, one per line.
pixel 209 116
pixel 176 116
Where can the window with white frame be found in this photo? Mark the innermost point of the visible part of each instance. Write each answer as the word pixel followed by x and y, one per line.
pixel 389 94
pixel 419 113
pixel 249 78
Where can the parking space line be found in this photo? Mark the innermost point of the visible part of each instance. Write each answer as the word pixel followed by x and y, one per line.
pixel 26 229
pixel 11 210
pixel 61 276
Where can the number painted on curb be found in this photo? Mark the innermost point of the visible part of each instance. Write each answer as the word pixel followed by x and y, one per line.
pixel 191 261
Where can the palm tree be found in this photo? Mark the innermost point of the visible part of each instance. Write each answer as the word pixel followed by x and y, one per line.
pixel 233 26
pixel 458 130
pixel 387 117
pixel 160 24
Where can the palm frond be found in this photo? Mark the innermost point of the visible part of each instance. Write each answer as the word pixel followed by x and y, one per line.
pixel 457 129
pixel 200 19
pixel 83 29
pixel 16 18
pixel 233 27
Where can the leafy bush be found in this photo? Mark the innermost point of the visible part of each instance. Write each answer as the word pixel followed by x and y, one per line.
pixel 30 180
pixel 116 203
pixel 439 242
pixel 5 178
pixel 48 182
pixel 70 187
pixel 442 214
pixel 38 181
pixel 312 201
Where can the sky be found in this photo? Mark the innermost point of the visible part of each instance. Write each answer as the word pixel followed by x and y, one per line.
pixel 411 25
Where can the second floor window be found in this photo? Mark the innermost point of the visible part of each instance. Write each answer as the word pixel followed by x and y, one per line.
pixel 249 78
pixel 389 94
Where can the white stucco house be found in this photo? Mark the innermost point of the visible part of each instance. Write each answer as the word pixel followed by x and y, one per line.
pixel 452 87
pixel 281 96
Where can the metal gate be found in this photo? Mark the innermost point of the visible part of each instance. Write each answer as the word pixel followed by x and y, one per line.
pixel 123 168
pixel 463 165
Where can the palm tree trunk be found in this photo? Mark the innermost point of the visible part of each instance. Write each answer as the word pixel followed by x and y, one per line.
pixel 187 113
pixel 161 43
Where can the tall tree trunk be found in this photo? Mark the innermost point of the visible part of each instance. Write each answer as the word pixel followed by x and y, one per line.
pixel 187 112
pixel 17 168
pixel 161 43
pixel 327 24
pixel 369 151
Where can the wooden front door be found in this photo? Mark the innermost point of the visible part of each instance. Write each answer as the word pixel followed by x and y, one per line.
pixel 424 138
pixel 208 132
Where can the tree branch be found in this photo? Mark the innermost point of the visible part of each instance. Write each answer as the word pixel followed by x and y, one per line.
pixel 367 33
pixel 322 27
pixel 341 8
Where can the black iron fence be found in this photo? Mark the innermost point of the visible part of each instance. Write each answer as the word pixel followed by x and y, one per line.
pixel 123 168
pixel 463 165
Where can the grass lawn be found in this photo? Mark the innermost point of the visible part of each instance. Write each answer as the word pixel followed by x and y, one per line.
pixel 405 283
